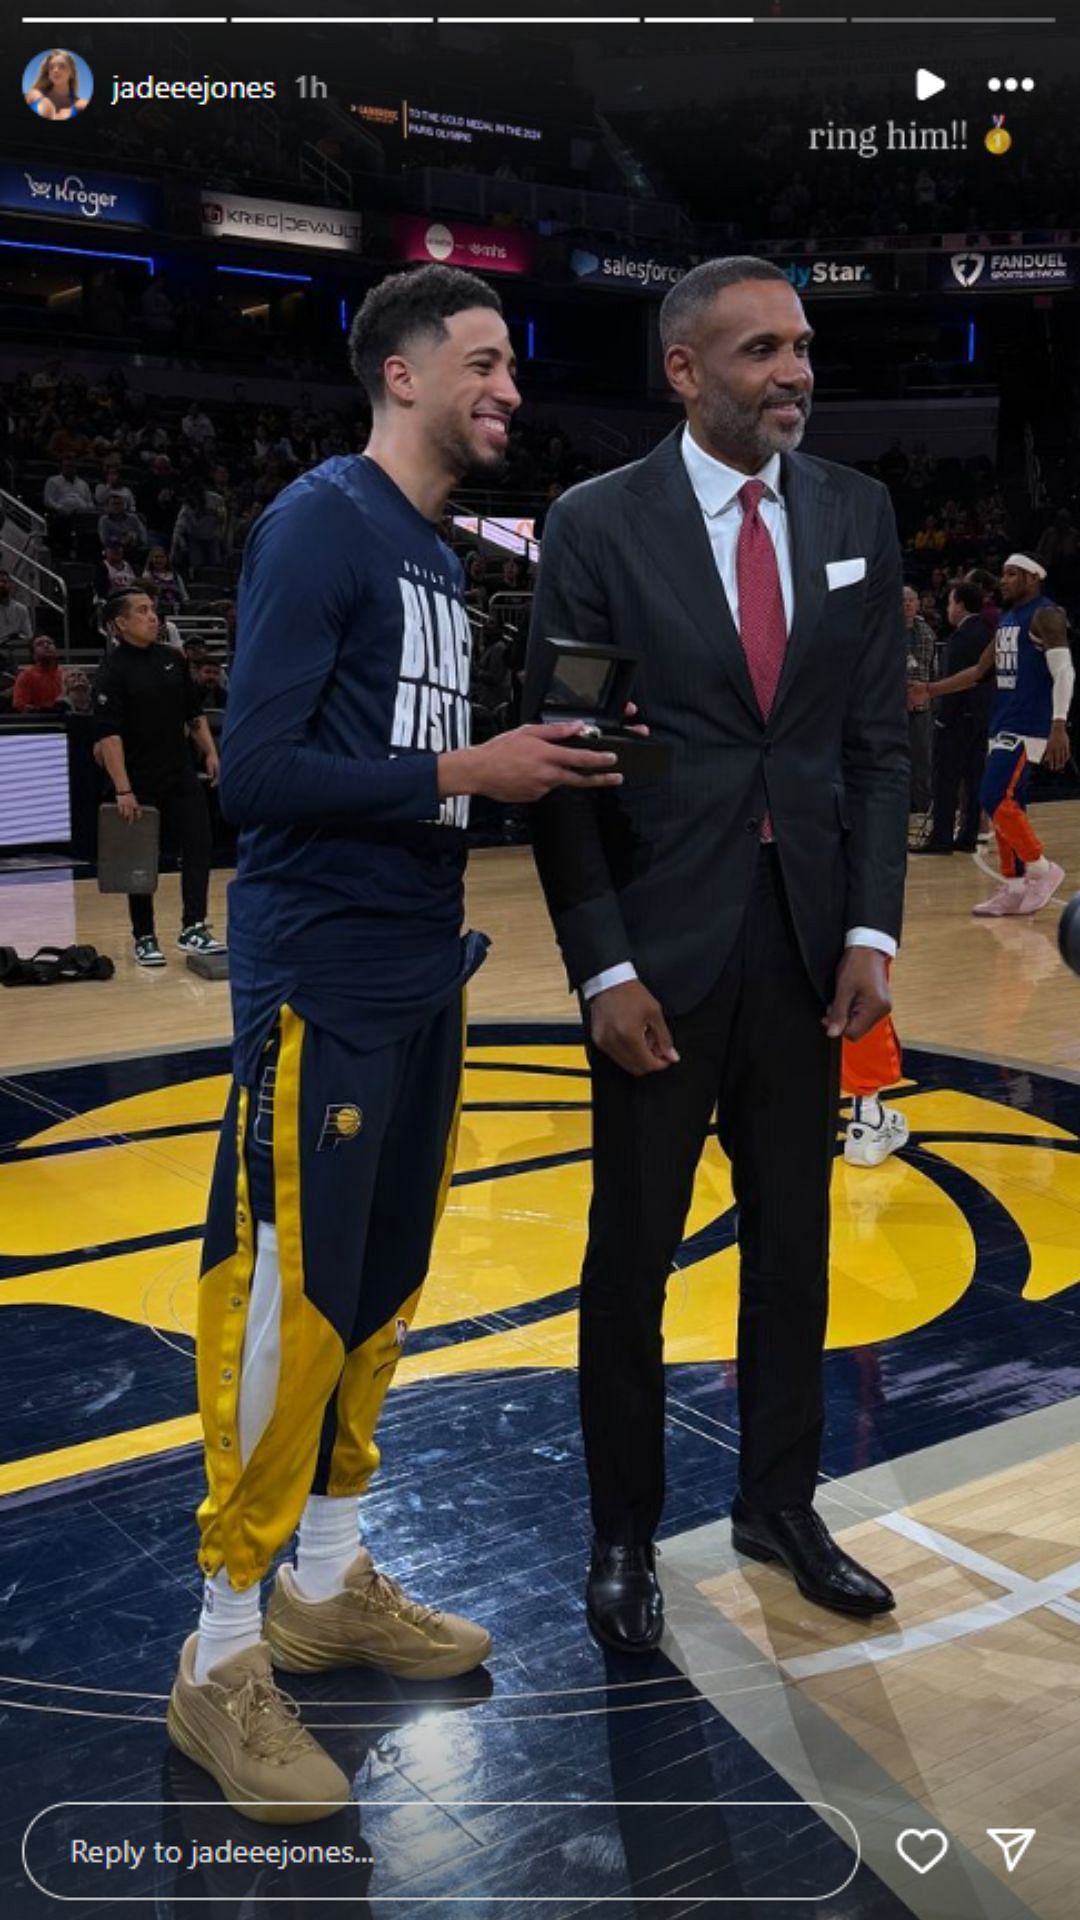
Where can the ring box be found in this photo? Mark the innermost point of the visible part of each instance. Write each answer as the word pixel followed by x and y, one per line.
pixel 593 684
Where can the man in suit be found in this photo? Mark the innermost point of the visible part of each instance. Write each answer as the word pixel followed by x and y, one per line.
pixel 726 927
pixel 963 721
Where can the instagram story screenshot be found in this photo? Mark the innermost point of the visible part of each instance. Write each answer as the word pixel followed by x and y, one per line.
pixel 539 1220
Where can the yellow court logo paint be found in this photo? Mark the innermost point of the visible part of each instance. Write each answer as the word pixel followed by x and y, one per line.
pixel 501 1290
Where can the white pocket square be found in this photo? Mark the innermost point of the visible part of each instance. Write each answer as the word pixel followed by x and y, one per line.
pixel 844 573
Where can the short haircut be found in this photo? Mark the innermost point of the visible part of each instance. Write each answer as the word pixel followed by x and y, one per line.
pixel 683 306
pixel 117 603
pixel 984 579
pixel 967 594
pixel 403 306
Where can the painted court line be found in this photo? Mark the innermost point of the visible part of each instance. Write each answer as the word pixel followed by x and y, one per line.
pixel 1021 1596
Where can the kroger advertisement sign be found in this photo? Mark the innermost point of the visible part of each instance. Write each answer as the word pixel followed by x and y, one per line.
pixel 69 194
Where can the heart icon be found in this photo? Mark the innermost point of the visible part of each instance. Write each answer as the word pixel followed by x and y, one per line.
pixel 922 1847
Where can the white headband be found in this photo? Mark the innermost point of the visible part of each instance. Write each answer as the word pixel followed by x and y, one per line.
pixel 1026 566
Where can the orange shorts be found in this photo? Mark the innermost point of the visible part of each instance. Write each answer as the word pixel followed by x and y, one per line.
pixel 873 1062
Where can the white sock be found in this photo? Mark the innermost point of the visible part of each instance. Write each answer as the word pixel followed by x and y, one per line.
pixel 229 1622
pixel 867 1109
pixel 1017 883
pixel 328 1544
pixel 1041 865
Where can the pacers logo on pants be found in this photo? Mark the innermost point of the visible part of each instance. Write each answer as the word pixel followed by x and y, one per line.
pixel 341 1123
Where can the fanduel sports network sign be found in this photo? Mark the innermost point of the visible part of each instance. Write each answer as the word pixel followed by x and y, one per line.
pixel 1024 267
pixel 228 216
pixel 76 194
pixel 485 249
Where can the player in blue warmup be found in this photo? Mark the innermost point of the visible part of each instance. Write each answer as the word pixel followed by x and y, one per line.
pixel 1030 658
pixel 347 764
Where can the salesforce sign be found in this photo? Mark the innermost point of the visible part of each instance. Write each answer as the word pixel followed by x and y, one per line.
pixel 60 193
pixel 636 272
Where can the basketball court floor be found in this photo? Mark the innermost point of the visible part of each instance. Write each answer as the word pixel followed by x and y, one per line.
pixel 771 1756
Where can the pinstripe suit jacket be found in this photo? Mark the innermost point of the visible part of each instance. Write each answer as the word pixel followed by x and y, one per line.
pixel 660 875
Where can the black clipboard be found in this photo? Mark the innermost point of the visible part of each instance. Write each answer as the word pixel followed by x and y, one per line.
pixel 127 858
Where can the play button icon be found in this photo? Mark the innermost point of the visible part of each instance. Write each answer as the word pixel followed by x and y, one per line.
pixel 927 84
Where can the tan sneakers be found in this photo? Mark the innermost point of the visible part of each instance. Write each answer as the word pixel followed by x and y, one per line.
pixel 247 1734
pixel 373 1623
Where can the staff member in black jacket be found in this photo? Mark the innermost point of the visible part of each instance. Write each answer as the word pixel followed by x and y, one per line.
pixel 146 705
pixel 963 726
pixel 728 925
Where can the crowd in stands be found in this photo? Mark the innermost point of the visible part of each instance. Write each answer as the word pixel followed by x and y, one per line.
pixel 159 493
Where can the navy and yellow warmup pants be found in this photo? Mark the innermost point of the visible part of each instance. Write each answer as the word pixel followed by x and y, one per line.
pixel 349 1154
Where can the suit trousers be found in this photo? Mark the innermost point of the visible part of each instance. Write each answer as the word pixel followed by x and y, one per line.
pixel 755 1053
pixel 921 746
pixel 185 825
pixel 959 760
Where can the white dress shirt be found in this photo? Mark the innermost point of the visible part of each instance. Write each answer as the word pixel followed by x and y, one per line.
pixel 716 488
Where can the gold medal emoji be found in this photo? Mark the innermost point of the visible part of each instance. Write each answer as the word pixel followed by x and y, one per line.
pixel 997 140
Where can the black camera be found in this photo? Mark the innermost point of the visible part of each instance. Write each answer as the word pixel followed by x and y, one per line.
pixel 1069 934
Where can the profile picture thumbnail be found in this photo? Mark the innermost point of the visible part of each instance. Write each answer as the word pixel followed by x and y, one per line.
pixel 57 84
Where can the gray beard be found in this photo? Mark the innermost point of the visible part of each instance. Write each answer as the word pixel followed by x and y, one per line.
pixel 728 423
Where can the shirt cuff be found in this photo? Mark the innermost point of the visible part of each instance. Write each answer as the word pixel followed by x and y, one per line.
pixel 611 977
pixel 869 937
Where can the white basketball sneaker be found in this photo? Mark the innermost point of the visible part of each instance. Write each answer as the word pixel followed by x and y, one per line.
pixel 873 1132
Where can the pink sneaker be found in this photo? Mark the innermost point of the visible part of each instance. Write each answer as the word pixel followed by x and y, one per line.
pixel 1006 900
pixel 1040 888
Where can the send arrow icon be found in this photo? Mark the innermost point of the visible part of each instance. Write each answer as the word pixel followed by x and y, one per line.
pixel 927 84
pixel 1013 1841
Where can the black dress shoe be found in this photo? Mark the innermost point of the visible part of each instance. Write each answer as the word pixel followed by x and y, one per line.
pixel 799 1539
pixel 966 846
pixel 623 1601
pixel 929 848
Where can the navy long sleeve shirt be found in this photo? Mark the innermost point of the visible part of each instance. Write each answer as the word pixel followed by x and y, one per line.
pixel 351 677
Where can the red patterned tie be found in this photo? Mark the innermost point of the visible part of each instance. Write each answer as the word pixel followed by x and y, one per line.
pixel 762 620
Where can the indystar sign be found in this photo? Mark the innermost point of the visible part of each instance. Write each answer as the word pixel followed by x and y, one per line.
pixel 228 216
pixel 838 275
pixel 644 273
